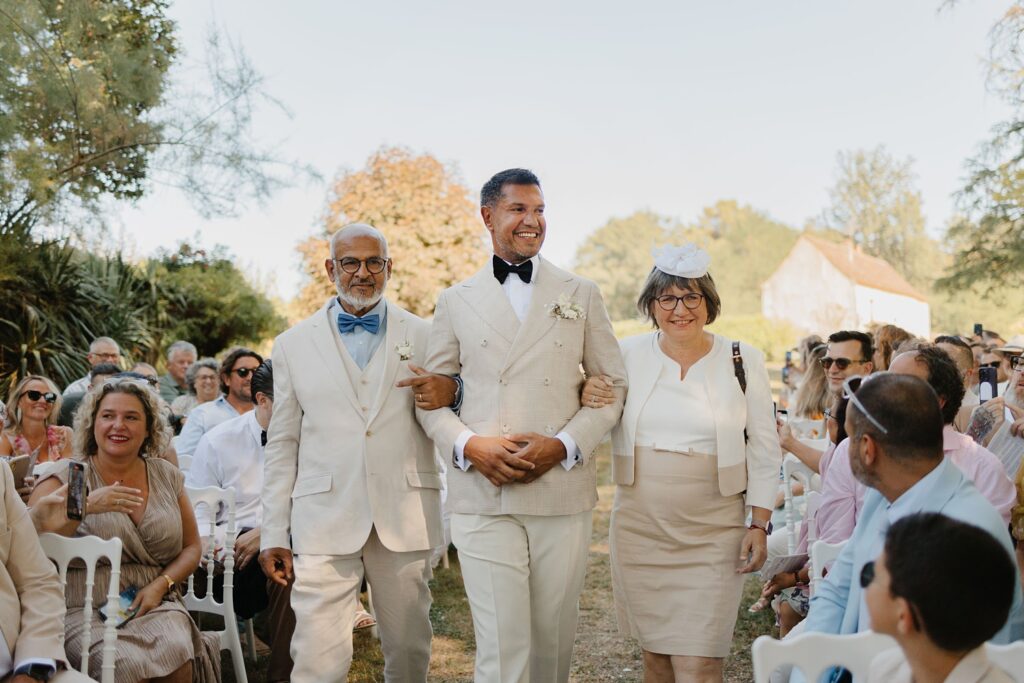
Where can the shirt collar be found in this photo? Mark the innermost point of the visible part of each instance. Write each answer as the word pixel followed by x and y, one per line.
pixel 914 499
pixel 535 259
pixel 380 308
pixel 252 425
pixel 953 440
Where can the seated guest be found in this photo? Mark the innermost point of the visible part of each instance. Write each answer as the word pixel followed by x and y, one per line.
pixel 33 405
pixel 202 384
pixel 235 377
pixel 180 357
pixel 231 455
pixel 895 426
pixel 32 608
pixel 139 498
pixel 70 402
pixel 888 338
pixel 101 350
pixel 962 355
pixel 914 592
pixel 812 395
pixel 149 372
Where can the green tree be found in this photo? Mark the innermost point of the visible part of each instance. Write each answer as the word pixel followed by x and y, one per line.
pixel 431 223
pixel 618 256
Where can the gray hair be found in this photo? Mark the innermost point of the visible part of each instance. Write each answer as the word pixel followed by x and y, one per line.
pixel 103 340
pixel 659 282
pixel 360 230
pixel 193 370
pixel 182 345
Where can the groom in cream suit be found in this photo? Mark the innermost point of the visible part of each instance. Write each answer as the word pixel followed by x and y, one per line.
pixel 352 484
pixel 523 483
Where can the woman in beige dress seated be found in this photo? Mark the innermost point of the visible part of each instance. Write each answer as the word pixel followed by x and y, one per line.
pixel 139 498
pixel 679 538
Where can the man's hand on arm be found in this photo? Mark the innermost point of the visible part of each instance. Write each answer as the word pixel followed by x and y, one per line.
pixel 543 451
pixel 276 563
pixel 431 390
pixel 498 459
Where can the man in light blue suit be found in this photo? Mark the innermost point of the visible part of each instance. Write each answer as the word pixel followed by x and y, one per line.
pixel 895 428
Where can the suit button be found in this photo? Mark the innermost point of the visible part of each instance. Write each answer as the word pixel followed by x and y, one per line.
pixel 546 381
pixel 363 381
pixel 549 429
pixel 483 342
pixel 369 433
pixel 505 428
pixel 365 409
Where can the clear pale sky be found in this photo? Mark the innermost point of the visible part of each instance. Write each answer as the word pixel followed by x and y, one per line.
pixel 668 106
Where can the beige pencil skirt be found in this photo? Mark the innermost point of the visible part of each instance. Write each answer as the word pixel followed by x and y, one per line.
pixel 675 545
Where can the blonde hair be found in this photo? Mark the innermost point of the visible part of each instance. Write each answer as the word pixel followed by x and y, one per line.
pixel 812 397
pixel 14 415
pixel 158 433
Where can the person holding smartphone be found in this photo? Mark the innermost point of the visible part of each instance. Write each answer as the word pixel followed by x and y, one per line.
pixel 136 496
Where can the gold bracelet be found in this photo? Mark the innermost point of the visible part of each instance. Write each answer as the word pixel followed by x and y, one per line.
pixel 170 582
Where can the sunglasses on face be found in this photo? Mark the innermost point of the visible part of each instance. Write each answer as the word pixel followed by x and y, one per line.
pixel 34 395
pixel 351 266
pixel 840 363
pixel 243 372
pixel 691 301
pixel 993 364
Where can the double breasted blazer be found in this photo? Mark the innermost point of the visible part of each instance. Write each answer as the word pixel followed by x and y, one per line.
pixel 333 467
pixel 524 377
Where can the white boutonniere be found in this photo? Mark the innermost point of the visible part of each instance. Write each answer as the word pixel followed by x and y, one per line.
pixel 404 350
pixel 566 309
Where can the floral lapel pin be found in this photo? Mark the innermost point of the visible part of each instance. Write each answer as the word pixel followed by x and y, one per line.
pixel 566 309
pixel 404 350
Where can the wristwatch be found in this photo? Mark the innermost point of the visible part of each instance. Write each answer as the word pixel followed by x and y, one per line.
pixel 36 671
pixel 763 526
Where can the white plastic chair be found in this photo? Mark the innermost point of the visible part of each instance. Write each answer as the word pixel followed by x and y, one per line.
pixel 793 467
pixel 821 554
pixel 184 462
pixel 1009 658
pixel 810 516
pixel 813 653
pixel 62 550
pixel 214 497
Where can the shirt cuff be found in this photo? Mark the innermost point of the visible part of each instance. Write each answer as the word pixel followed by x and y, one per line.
pixel 459 456
pixel 572 452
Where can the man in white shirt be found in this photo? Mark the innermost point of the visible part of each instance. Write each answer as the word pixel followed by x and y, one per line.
pixel 231 455
pixel 101 350
pixel 235 399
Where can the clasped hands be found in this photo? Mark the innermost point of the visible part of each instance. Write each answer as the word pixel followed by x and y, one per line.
pixel 514 459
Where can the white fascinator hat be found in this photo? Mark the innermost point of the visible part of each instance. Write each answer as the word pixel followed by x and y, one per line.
pixel 687 260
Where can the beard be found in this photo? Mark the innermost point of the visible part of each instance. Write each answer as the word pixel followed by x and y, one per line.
pixel 861 473
pixel 358 301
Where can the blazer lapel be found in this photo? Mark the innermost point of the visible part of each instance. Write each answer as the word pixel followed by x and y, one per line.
pixel 485 296
pixel 550 285
pixel 397 332
pixel 327 347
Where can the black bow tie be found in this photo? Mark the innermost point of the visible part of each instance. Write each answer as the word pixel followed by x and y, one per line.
pixel 263 438
pixel 501 270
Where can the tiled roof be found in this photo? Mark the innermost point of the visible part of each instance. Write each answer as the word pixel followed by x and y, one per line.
pixel 869 271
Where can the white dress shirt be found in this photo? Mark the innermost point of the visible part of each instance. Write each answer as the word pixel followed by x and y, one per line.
pixel 79 386
pixel 231 454
pixel 519 295
pixel 202 419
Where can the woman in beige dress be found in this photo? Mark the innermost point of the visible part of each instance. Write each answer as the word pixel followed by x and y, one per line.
pixel 679 538
pixel 139 498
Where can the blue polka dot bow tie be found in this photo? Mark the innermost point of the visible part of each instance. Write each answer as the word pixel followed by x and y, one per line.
pixel 347 323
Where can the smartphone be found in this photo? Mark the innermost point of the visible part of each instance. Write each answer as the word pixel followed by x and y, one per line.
pixel 76 491
pixel 988 386
pixel 782 415
pixel 789 357
pixel 20 467
pixel 978 329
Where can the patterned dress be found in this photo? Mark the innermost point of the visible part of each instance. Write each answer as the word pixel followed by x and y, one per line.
pixel 160 641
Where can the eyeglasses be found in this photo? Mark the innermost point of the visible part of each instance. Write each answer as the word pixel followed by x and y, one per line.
pixel 850 392
pixel 351 266
pixel 867 574
pixel 207 378
pixel 691 301
pixel 829 415
pixel 1016 362
pixel 34 395
pixel 840 363
pixel 243 372
pixel 993 364
pixel 106 356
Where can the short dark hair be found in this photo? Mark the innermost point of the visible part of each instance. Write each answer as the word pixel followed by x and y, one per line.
pixel 228 364
pixel 927 556
pixel 962 348
pixel 263 380
pixel 867 345
pixel 842 404
pixel 944 377
pixel 490 193
pixel 908 408
pixel 659 282
pixel 104 369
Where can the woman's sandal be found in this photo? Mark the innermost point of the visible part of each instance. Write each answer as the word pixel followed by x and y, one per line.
pixel 761 604
pixel 363 619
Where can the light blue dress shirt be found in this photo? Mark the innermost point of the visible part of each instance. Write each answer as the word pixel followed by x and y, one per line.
pixel 360 343
pixel 202 419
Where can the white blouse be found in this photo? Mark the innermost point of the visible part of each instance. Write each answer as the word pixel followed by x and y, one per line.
pixel 677 415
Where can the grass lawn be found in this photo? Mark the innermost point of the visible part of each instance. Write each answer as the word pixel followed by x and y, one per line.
pixel 601 653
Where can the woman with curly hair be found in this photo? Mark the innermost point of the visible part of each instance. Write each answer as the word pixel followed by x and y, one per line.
pixel 139 498
pixel 887 339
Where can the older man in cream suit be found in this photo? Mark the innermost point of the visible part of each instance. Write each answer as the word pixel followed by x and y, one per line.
pixel 352 484
pixel 31 600
pixel 523 485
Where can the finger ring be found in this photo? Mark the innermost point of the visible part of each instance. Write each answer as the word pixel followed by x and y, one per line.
pixel 419 397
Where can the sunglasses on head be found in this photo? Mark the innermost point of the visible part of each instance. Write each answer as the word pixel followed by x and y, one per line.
pixel 243 372
pixel 841 363
pixel 34 395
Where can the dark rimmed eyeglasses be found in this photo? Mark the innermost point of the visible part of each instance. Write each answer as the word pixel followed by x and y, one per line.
pixel 34 395
pixel 375 265
pixel 829 416
pixel 841 363
pixel 1017 362
pixel 691 301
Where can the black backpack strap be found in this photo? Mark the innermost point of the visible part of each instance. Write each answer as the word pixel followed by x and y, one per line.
pixel 737 366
